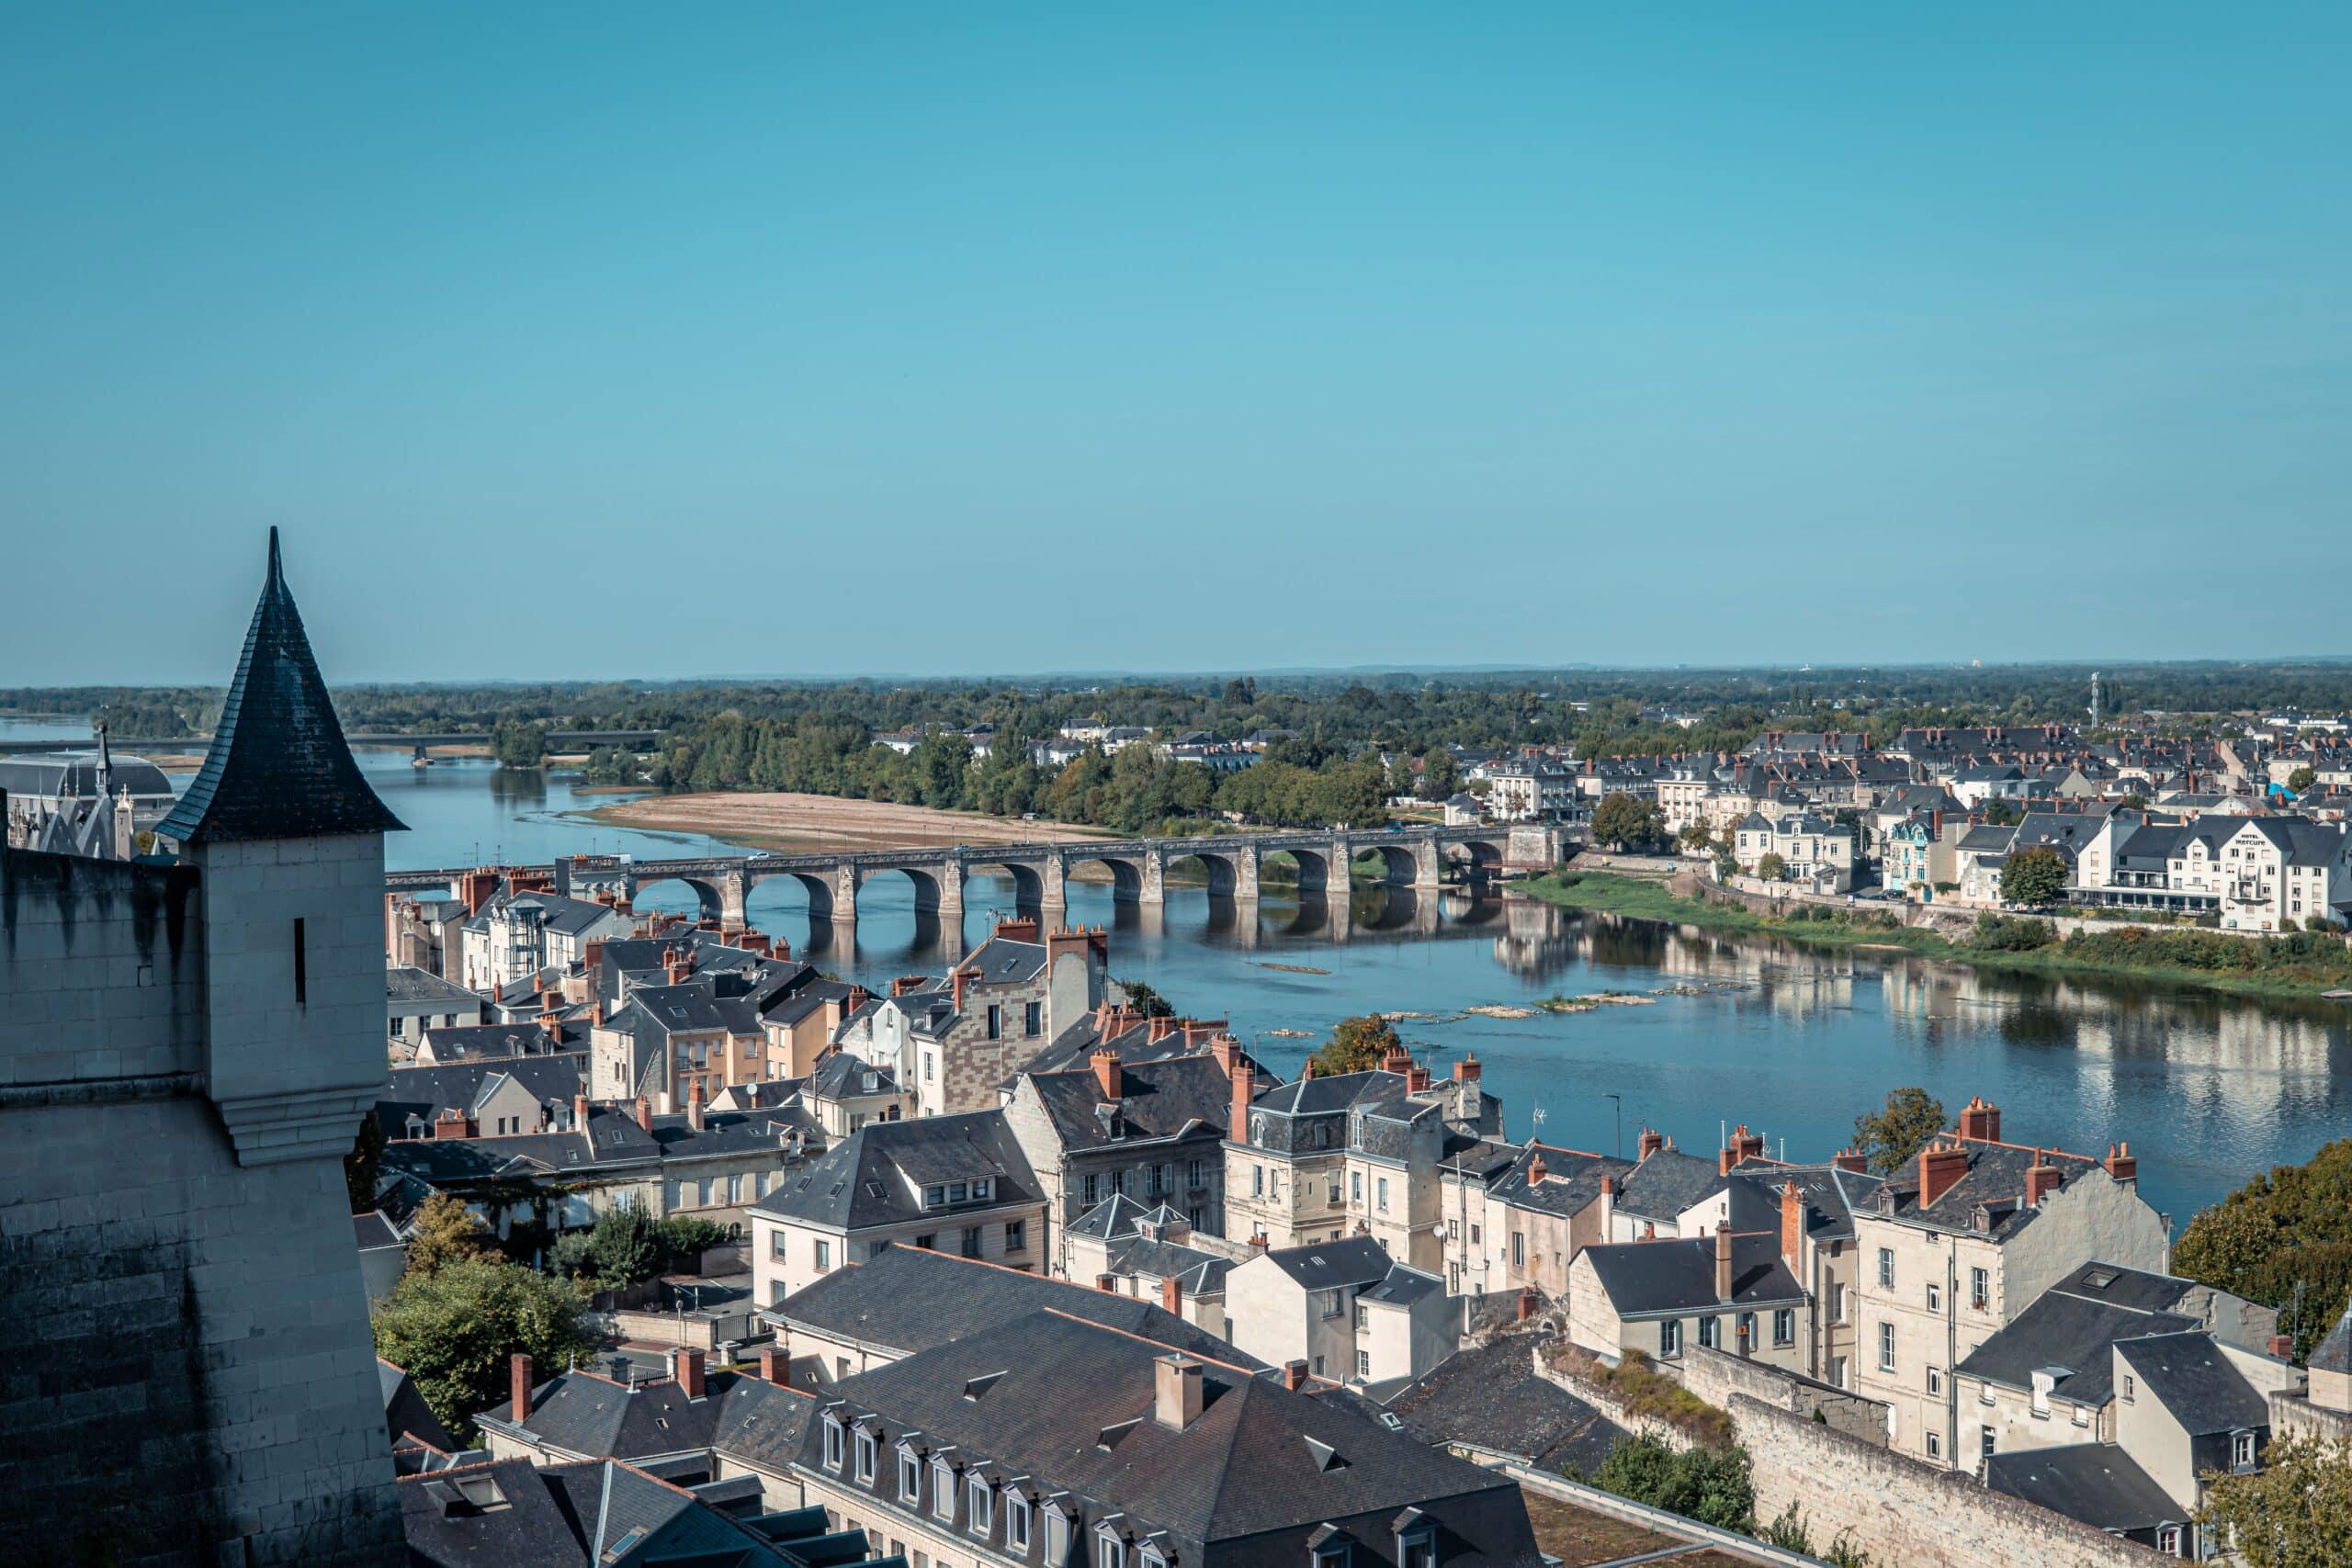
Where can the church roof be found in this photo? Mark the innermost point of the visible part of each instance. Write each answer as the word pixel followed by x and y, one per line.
pixel 278 767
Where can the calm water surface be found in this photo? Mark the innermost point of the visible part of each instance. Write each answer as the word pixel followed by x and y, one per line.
pixel 2209 1091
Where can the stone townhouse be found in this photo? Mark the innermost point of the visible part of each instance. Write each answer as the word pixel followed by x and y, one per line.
pixel 1671 1193
pixel 674 1043
pixel 1530 789
pixel 2045 1379
pixel 563 1174
pixel 416 999
pixel 1150 1130
pixel 844 1092
pixel 1293 1176
pixel 1048 1441
pixel 1524 1226
pixel 1815 853
pixel 517 934
pixel 956 1183
pixel 1813 1209
pixel 1121 1246
pixel 1961 1240
pixel 954 1040
pixel 1730 1291
pixel 906 1301
pixel 1347 1309
pixel 517 1094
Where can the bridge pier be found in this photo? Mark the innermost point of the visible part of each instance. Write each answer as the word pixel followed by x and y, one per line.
pixel 1053 892
pixel 1153 894
pixel 734 895
pixel 1245 876
pixel 1429 867
pixel 845 881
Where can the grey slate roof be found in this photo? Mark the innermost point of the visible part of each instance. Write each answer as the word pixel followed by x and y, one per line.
pixel 2334 1352
pixel 425 1091
pixel 2195 1381
pixel 1657 1278
pixel 409 984
pixel 1571 1180
pixel 1068 1406
pixel 2096 1483
pixel 875 1175
pixel 278 767
pixel 1492 1397
pixel 1157 1099
pixel 1667 1183
pixel 1996 1178
pixel 588 1415
pixel 907 1300
pixel 1330 1265
pixel 2073 1331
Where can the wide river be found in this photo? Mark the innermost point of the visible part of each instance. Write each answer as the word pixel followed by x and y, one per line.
pixel 2210 1091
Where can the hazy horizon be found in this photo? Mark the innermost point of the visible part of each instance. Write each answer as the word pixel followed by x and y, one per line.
pixel 613 341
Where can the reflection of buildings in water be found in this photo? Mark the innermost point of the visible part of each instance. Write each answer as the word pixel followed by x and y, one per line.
pixel 1538 940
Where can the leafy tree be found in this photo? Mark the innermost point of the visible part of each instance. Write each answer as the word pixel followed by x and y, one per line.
pixel 1893 1135
pixel 2295 1512
pixel 1625 820
pixel 625 1247
pixel 359 1166
pixel 1440 775
pixel 452 1329
pixel 2135 800
pixel 1710 1485
pixel 1771 867
pixel 2001 814
pixel 445 1233
pixel 2291 1227
pixel 684 1236
pixel 1789 1533
pixel 1146 1001
pixel 517 744
pixel 1357 1045
pixel 2300 780
pixel 2034 878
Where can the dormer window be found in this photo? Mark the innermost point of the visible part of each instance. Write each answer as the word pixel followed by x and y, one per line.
pixel 1057 1535
pixel 909 1477
pixel 1110 1552
pixel 869 1453
pixel 942 1488
pixel 1016 1523
pixel 1153 1557
pixel 834 1441
pixel 982 1508
pixel 1331 1555
pixel 2241 1450
pixel 1416 1548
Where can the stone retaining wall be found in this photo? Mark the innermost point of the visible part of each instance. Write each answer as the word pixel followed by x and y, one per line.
pixel 1716 1375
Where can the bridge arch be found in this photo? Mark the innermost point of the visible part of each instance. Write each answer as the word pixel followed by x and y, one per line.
pixel 651 895
pixel 1223 872
pixel 930 891
pixel 820 889
pixel 1397 866
pixel 1478 857
pixel 1028 882
pixel 1127 874
pixel 1317 876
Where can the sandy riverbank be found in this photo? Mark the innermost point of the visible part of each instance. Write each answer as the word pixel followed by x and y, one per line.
pixel 813 822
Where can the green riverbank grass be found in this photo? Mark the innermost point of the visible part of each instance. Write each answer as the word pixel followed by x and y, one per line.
pixel 2328 966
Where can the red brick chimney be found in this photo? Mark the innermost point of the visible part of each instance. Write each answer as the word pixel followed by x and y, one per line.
pixel 1536 1170
pixel 1397 1059
pixel 645 1114
pixel 858 997
pixel 1941 1165
pixel 961 982
pixel 1021 928
pixel 2041 1178
pixel 1307 1070
pixel 1979 1121
pixel 1294 1375
pixel 518 1387
pixel 1851 1160
pixel 2120 1164
pixel 1417 1080
pixel 1105 1062
pixel 2281 1346
pixel 1744 1146
pixel 1527 1303
pixel 1651 1141
pixel 1466 1070
pixel 580 1112
pixel 1793 1225
pixel 1245 1090
pixel 1226 1050
pixel 1107 1283
pixel 1159 1030
pixel 686 1366
pixel 1171 1294
pixel 1722 1260
pixel 693 1103
pixel 776 1367
pixel 1257 1242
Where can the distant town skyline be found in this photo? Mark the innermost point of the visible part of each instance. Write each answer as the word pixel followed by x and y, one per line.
pixel 1035 340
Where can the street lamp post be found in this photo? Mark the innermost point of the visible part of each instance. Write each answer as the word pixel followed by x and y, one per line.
pixel 1618 1102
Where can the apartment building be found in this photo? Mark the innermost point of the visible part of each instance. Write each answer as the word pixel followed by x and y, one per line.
pixel 1731 1292
pixel 1960 1241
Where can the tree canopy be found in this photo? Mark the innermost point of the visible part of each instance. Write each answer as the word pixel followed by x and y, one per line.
pixel 1357 1045
pixel 452 1329
pixel 445 1233
pixel 2295 1512
pixel 1896 1133
pixel 2034 878
pixel 1627 821
pixel 2292 1227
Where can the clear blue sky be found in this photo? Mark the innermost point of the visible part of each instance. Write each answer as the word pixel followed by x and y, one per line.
pixel 575 340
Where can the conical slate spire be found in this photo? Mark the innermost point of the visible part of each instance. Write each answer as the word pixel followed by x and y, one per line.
pixel 278 767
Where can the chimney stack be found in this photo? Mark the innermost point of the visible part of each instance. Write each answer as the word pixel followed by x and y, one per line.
pixel 1792 1226
pixel 1979 1121
pixel 1227 1051
pixel 1176 1392
pixel 693 1103
pixel 1744 1146
pixel 2120 1164
pixel 1417 1080
pixel 1294 1375
pixel 962 982
pixel 776 1367
pixel 1851 1160
pixel 1527 1302
pixel 1941 1165
pixel 2282 1345
pixel 1105 1062
pixel 2040 1179
pixel 1257 1243
pixel 1652 1140
pixel 1466 1070
pixel 1171 1295
pixel 687 1368
pixel 1722 1260
pixel 1245 1090
pixel 518 1383
pixel 1536 1170
pixel 579 1112
pixel 1607 1207
pixel 644 1114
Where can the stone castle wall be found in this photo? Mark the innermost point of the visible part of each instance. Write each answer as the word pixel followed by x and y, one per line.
pixel 1901 1511
pixel 191 1379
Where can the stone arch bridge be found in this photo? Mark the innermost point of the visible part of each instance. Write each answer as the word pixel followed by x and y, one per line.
pixel 1413 858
